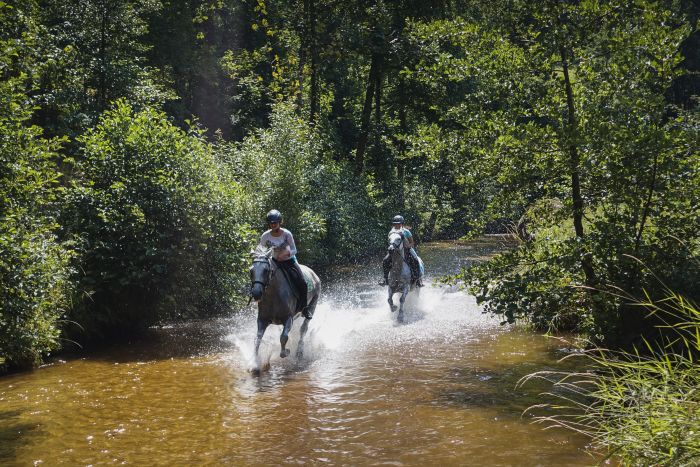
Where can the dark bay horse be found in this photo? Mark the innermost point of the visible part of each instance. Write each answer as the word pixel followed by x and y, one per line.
pixel 277 303
pixel 400 273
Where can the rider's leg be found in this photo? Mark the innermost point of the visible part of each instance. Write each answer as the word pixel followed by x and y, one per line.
pixel 300 284
pixel 412 258
pixel 411 264
pixel 386 267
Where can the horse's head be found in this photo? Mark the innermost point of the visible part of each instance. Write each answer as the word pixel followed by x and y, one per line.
pixel 395 242
pixel 260 272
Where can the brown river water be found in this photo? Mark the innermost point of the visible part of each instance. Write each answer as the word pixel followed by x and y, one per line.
pixel 439 389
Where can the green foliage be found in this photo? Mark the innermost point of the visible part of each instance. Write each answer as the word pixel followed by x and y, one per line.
pixel 34 270
pixel 158 221
pixel 93 52
pixel 601 135
pixel 288 167
pixel 641 406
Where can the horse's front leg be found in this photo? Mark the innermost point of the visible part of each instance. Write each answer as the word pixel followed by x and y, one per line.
pixel 406 288
pixel 262 325
pixel 392 307
pixel 285 336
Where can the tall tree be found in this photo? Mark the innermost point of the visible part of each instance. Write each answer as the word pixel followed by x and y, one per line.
pixel 96 52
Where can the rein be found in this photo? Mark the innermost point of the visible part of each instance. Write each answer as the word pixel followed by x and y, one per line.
pixel 270 273
pixel 401 249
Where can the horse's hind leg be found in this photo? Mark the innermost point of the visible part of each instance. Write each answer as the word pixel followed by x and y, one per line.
pixel 302 333
pixel 305 326
pixel 285 336
pixel 311 308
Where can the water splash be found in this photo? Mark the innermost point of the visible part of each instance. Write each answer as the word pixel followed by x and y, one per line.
pixel 356 317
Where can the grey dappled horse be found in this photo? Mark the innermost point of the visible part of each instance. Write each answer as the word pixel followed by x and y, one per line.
pixel 277 303
pixel 400 273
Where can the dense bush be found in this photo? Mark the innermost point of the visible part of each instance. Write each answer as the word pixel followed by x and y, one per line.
pixel 158 224
pixel 34 272
pixel 289 166
pixel 540 281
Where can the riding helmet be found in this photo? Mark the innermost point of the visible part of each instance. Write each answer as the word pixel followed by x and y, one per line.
pixel 274 216
pixel 397 220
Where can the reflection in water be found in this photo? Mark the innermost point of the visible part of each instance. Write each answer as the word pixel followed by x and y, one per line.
pixel 440 388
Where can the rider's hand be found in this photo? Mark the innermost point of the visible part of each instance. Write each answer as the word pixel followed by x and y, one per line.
pixel 283 254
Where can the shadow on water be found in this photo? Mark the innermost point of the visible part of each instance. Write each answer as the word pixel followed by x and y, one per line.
pixel 15 434
pixel 501 387
pixel 496 389
pixel 183 340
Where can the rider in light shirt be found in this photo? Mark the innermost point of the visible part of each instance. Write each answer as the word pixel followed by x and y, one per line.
pixel 284 252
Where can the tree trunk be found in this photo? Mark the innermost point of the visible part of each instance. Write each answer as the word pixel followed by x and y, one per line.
pixel 400 164
pixel 574 166
pixel 102 78
pixel 647 204
pixel 365 118
pixel 303 47
pixel 313 42
pixel 378 93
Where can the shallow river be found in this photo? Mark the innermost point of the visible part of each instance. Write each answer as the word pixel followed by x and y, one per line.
pixel 439 389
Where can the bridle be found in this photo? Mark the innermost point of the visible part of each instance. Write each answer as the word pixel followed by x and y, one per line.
pixel 269 272
pixel 400 246
pixel 401 235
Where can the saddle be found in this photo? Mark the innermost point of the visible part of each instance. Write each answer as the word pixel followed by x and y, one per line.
pixel 295 290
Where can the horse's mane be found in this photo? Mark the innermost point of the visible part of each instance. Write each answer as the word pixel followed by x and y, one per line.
pixel 261 251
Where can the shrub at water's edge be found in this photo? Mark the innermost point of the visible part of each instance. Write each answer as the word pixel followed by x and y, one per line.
pixel 157 222
pixel 34 264
pixel 641 406
pixel 291 166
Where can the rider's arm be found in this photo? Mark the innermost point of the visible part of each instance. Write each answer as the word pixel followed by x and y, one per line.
pixel 263 240
pixel 409 238
pixel 292 245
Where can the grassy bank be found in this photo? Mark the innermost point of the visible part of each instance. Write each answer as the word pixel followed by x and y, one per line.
pixel 642 406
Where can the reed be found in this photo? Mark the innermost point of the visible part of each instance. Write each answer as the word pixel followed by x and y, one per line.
pixel 641 407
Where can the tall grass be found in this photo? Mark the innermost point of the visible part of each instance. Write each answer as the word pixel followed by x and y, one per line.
pixel 641 407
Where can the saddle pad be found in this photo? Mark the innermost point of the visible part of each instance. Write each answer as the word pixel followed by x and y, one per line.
pixel 307 279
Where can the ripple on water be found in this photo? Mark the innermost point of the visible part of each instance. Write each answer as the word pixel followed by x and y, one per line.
pixel 439 388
